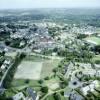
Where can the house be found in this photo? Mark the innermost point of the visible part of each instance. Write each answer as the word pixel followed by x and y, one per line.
pixel 22 43
pixel 67 92
pixel 3 67
pixel 88 33
pixel 32 94
pixel 7 62
pixel 73 95
pixel 19 96
pixel 91 87
pixel 6 49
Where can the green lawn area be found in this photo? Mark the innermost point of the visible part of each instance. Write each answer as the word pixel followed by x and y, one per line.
pixel 98 30
pixel 51 97
pixel 10 92
pixel 19 85
pixel 48 66
pixel 21 82
pixel 34 58
pixel 96 58
pixel 94 40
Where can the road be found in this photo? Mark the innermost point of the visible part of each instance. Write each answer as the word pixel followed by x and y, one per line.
pixel 50 57
pixel 5 74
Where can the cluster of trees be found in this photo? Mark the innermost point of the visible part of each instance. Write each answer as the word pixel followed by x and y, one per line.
pixel 96 49
pixel 53 31
pixel 93 96
pixel 81 36
pixel 13 26
pixel 4 35
pixel 9 77
pixel 15 43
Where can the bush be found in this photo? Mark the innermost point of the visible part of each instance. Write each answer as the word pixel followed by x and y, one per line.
pixel 27 81
pixel 59 66
pixel 97 61
pixel 44 89
pixel 7 43
pixel 40 81
pixel 46 78
pixel 57 96
pixel 23 55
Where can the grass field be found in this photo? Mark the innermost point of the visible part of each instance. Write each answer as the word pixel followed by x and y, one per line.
pixel 96 58
pixel 29 70
pixel 33 68
pixel 94 40
pixel 48 66
pixel 21 82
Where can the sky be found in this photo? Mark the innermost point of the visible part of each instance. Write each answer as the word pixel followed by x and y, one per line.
pixel 18 4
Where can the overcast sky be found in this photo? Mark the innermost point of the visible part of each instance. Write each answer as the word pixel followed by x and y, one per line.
pixel 10 4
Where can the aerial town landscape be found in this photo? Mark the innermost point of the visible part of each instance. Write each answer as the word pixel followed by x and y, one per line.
pixel 50 54
pixel 43 57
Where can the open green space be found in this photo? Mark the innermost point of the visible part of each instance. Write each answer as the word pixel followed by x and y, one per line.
pixel 96 59
pixel 21 82
pixel 46 70
pixel 48 66
pixel 34 58
pixel 93 39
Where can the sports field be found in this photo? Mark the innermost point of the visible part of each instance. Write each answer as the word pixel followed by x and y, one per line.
pixel 29 70
pixel 35 68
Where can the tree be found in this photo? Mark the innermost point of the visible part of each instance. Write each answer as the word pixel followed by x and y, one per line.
pixel 27 81
pixel 40 81
pixel 3 53
pixel 44 89
pixel 46 78
pixel 55 49
pixel 55 71
pixel 7 43
pixel 57 96
pixel 23 55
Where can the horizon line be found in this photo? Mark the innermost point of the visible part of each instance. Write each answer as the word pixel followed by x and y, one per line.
pixel 50 8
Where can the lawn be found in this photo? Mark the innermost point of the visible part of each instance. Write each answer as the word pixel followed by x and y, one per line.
pixel 22 82
pixel 20 85
pixel 29 70
pixel 96 59
pixel 33 68
pixel 34 58
pixel 94 40
pixel 48 66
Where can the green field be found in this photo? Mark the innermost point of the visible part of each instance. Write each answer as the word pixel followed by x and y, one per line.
pixel 96 59
pixel 46 70
pixel 48 66
pixel 94 40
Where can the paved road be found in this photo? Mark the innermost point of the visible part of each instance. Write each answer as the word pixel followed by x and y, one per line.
pixel 50 57
pixel 5 74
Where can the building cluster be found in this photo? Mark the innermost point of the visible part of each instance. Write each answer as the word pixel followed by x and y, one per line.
pixel 82 77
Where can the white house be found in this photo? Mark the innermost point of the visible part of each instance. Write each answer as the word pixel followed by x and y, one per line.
pixel 91 87
pixel 19 96
pixel 7 62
